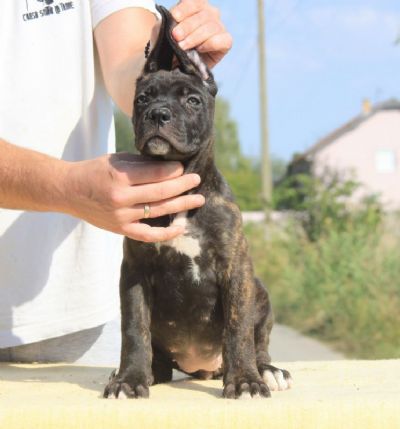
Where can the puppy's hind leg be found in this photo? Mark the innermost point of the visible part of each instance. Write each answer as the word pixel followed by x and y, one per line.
pixel 275 378
pixel 161 367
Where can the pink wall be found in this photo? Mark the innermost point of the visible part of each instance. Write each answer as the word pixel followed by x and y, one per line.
pixel 356 151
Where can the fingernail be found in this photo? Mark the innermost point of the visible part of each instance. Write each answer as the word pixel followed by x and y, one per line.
pixel 176 14
pixel 178 33
pixel 174 166
pixel 178 229
pixel 196 179
pixel 183 45
pixel 200 200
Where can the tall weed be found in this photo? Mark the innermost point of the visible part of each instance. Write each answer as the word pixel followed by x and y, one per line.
pixel 335 273
pixel 343 288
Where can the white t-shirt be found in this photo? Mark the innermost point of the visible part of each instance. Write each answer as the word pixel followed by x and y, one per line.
pixel 57 274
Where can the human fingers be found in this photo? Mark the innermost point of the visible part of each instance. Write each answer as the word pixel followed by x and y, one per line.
pixel 143 232
pixel 195 20
pixel 221 42
pixel 144 171
pixel 148 193
pixel 162 191
pixel 186 8
pixel 170 206
pixel 199 24
pixel 197 29
pixel 215 48
pixel 135 171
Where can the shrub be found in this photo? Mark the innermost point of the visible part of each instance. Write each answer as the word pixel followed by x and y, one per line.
pixel 335 272
pixel 343 288
pixel 327 203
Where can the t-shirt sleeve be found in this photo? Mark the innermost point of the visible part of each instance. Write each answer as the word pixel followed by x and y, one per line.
pixel 100 9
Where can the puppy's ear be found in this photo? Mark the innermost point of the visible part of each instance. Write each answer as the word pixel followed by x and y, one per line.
pixel 198 66
pixel 190 62
pixel 162 55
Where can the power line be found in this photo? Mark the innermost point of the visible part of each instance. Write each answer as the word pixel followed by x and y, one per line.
pixel 246 64
pixel 285 18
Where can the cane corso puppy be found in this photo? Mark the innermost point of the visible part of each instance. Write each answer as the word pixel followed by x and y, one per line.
pixel 191 303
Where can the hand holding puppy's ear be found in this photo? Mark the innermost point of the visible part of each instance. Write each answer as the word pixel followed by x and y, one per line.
pixel 167 48
pixel 199 26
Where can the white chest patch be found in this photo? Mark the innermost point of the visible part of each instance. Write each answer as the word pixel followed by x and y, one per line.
pixel 185 244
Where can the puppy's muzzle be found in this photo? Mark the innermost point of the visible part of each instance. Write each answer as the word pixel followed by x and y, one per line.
pixel 156 118
pixel 159 116
pixel 157 146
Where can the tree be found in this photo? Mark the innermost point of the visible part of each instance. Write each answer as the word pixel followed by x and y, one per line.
pixel 327 203
pixel 227 146
pixel 124 137
pixel 241 172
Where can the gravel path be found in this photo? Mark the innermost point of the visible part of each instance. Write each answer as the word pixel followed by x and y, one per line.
pixel 287 345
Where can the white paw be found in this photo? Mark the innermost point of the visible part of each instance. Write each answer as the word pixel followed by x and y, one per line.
pixel 122 395
pixel 245 396
pixel 275 380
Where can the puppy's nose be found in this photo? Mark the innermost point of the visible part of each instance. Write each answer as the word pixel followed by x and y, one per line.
pixel 161 115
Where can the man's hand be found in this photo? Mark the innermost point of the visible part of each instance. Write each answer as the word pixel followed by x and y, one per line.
pixel 199 26
pixel 111 191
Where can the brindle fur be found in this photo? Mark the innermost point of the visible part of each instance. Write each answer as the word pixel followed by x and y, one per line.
pixel 165 311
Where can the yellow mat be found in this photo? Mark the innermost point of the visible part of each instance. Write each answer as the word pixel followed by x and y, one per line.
pixel 325 395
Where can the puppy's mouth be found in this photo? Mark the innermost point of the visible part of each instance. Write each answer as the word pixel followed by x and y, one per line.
pixel 157 146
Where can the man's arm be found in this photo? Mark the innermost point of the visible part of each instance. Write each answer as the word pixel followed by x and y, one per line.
pixel 121 39
pixel 30 180
pixel 109 191
pixel 122 36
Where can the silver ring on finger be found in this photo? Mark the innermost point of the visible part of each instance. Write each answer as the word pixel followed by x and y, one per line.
pixel 147 211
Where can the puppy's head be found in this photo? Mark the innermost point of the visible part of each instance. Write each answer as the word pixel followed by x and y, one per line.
pixel 174 101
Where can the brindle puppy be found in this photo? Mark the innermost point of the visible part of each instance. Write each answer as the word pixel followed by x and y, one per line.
pixel 191 303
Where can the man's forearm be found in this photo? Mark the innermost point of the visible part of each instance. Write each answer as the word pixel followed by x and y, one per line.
pixel 121 39
pixel 121 85
pixel 109 192
pixel 31 180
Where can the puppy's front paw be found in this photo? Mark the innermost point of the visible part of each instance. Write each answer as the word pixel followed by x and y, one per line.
pixel 275 378
pixel 245 387
pixel 124 387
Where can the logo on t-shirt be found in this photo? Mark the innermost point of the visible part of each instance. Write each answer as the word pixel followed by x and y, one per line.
pixel 36 9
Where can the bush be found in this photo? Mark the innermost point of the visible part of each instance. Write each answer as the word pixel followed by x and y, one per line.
pixel 343 288
pixel 335 272
pixel 124 136
pixel 327 203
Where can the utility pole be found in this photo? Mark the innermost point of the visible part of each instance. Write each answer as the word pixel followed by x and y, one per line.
pixel 266 177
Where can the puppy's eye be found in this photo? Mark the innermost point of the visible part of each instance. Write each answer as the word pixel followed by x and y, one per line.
pixel 142 99
pixel 194 101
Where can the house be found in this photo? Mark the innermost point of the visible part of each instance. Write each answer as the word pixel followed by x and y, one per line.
pixel 366 148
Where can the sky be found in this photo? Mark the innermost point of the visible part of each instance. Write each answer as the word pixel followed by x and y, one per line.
pixel 323 58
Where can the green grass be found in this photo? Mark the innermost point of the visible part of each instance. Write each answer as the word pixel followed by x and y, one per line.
pixel 343 288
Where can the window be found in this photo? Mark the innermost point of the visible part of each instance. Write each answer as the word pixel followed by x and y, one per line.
pixel 385 161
